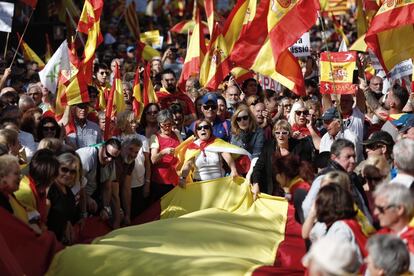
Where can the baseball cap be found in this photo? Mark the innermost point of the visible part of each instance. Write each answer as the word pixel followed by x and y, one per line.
pixel 380 137
pixel 209 97
pixel 334 256
pixel 330 114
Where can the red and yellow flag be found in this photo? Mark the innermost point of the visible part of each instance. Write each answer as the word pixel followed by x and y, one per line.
pixel 361 19
pixel 131 19
pixel 209 8
pixel 145 52
pixel 116 103
pixel 29 54
pixel 337 71
pixel 195 54
pixel 216 65
pixel 391 33
pixel 149 95
pixel 339 29
pixel 137 103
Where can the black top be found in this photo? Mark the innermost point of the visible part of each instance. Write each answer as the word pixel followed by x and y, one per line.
pixel 4 202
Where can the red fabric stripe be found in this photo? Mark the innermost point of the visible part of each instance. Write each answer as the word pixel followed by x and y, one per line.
pixel 288 66
pixel 31 3
pixel 177 28
pixel 290 252
pixel 229 21
pixel 153 213
pixel 32 252
pixel 147 83
pixel 222 71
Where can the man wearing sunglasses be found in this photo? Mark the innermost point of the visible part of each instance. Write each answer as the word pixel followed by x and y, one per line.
pixel 98 164
pixel 209 108
pixel 394 208
pixel 101 82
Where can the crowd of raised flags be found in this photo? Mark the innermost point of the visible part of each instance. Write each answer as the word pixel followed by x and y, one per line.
pixel 327 105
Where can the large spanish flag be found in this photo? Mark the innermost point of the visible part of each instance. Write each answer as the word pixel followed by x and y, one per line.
pixel 391 33
pixel 195 54
pixel 209 228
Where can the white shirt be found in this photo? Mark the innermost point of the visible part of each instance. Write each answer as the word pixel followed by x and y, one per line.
pixel 403 179
pixel 327 141
pixel 27 141
pixel 138 173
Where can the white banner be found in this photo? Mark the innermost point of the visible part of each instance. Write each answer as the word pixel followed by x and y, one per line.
pixel 49 76
pixel 6 16
pixel 302 47
pixel 401 70
pixel 269 83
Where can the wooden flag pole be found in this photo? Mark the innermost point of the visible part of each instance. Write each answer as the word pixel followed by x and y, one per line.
pixel 5 47
pixel 21 38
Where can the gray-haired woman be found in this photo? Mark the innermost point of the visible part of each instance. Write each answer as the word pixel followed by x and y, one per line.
pixel 163 174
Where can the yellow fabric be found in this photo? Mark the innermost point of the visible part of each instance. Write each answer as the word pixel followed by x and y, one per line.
pixel 209 228
pixel 94 31
pixel 25 195
pixel 18 210
pixel 359 45
pixel 30 55
pixel 363 221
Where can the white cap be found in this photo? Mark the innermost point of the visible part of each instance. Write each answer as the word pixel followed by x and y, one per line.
pixel 334 256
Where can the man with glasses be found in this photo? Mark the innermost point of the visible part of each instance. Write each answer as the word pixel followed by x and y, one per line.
pixel 101 82
pixel 98 164
pixel 86 132
pixel 394 207
pixel 221 129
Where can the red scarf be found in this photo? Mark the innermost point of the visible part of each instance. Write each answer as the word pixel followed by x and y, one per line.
pixel 202 145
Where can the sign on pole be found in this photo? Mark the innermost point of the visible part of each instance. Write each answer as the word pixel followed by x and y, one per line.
pixel 6 16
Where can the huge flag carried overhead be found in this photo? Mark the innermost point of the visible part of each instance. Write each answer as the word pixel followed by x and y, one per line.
pixel 391 33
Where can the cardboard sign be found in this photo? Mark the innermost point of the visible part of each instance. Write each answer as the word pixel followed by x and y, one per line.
pixel 337 72
pixel 6 16
pixel 302 47
pixel 269 83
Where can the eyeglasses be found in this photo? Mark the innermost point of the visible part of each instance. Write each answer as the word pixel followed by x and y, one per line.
pixel 152 112
pixel 206 127
pixel 46 128
pixel 284 133
pixel 67 170
pixel 382 209
pixel 108 155
pixel 103 73
pixel 244 118
pixel 374 146
pixel 210 106
pixel 300 112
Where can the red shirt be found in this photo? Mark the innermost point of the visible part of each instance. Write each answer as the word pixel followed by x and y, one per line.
pixel 164 171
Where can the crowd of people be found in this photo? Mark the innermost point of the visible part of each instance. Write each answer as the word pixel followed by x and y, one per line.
pixel 334 158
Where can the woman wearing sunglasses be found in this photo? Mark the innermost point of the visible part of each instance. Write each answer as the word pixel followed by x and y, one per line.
pixel 245 132
pixel 148 124
pixel 303 123
pixel 67 198
pixel 204 157
pixel 48 128
pixel 164 177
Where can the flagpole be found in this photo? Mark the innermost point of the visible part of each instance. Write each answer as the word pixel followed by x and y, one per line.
pixel 338 105
pixel 21 38
pixel 5 47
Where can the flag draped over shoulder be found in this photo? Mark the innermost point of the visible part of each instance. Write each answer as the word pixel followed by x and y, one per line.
pixel 209 228
pixel 391 33
pixel 195 54
pixel 29 54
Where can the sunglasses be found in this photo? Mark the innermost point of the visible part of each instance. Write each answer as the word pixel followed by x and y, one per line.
pixel 206 127
pixel 108 155
pixel 103 73
pixel 374 146
pixel 67 170
pixel 242 118
pixel 284 133
pixel 304 112
pixel 82 106
pixel 382 209
pixel 152 112
pixel 208 107
pixel 49 128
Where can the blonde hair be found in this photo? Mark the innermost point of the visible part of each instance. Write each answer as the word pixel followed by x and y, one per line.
pixel 124 118
pixel 69 158
pixel 52 144
pixel 283 124
pixel 337 177
pixel 8 137
pixel 235 129
pixel 378 161
pixel 5 164
pixel 295 107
